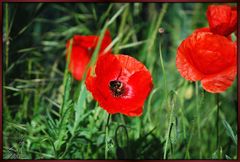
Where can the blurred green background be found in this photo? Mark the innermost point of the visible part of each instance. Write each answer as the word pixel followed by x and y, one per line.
pixel 179 119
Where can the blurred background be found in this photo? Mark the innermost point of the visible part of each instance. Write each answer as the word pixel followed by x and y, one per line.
pixel 179 119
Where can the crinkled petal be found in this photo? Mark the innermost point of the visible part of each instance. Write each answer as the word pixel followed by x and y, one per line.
pixel 204 53
pixel 107 69
pixel 86 41
pixel 82 50
pixel 184 63
pixel 205 29
pixel 138 88
pixel 90 42
pixel 211 52
pixel 141 83
pixel 91 85
pixel 222 19
pixel 130 64
pixel 137 112
pixel 221 81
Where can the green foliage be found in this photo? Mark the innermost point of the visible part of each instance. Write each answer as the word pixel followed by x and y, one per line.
pixel 49 115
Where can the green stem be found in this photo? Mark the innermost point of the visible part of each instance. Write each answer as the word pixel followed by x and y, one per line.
pixel 187 154
pixel 217 123
pixel 66 77
pixel 67 147
pixel 159 21
pixel 82 94
pixel 5 106
pixel 64 111
pixel 169 136
pixel 7 34
pixel 169 131
pixel 153 37
pixel 122 118
pixel 121 28
pixel 198 117
pixel 163 69
pixel 106 136
pixel 148 114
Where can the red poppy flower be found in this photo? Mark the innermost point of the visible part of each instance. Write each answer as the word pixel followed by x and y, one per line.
pixel 205 29
pixel 120 85
pixel 222 19
pixel 82 50
pixel 210 58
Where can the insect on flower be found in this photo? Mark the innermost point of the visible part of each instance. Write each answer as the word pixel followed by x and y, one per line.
pixel 121 84
pixel 82 50
pixel 116 87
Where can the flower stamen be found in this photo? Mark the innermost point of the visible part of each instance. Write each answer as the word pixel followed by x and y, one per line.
pixel 116 87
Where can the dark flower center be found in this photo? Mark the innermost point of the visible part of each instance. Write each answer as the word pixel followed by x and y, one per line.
pixel 116 87
pixel 90 50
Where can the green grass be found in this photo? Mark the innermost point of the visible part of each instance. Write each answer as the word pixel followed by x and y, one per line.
pixel 49 115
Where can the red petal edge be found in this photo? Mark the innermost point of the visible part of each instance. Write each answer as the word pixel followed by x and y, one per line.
pixel 184 67
pixel 219 82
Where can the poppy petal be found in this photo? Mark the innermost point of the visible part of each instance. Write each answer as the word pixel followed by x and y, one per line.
pixel 136 86
pixel 139 87
pixel 78 62
pixel 82 50
pixel 137 112
pixel 219 82
pixel 212 52
pixel 222 19
pixel 205 29
pixel 130 64
pixel 89 81
pixel 91 41
pixel 204 53
pixel 184 65
pixel 141 84
pixel 107 69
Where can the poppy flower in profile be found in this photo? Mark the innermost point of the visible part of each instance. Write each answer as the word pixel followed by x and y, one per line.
pixel 121 84
pixel 82 50
pixel 222 19
pixel 210 58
